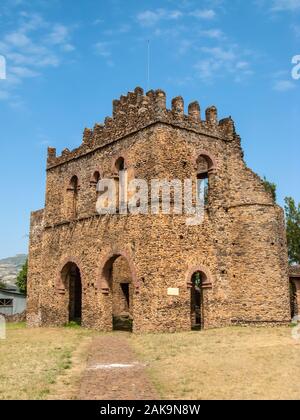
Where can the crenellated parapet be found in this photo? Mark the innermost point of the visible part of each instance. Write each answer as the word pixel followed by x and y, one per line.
pixel 136 111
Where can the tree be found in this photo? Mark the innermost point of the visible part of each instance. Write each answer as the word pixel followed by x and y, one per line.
pixel 22 278
pixel 292 214
pixel 271 188
pixel 2 285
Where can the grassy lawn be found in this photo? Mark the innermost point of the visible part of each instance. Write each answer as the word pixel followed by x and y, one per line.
pixel 232 363
pixel 41 363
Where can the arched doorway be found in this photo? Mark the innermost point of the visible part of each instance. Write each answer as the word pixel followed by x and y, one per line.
pixel 197 321
pixel 72 282
pixel 118 278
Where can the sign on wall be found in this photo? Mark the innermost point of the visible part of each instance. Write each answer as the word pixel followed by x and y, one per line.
pixel 173 291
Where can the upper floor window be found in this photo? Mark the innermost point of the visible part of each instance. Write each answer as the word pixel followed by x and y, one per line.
pixel 204 166
pixel 120 164
pixel 94 183
pixel 121 184
pixel 95 178
pixel 72 199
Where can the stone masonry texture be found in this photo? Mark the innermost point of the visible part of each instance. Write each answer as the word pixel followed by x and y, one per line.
pixel 240 248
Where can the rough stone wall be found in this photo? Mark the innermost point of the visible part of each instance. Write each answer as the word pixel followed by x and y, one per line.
pixel 15 318
pixel 240 246
pixel 35 269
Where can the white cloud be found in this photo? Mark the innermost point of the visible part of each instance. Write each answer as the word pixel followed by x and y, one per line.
pixel 23 72
pixel 152 17
pixel 67 47
pixel 184 46
pixel 103 49
pixel 296 30
pixel 4 95
pixel 212 33
pixel 32 22
pixel 219 62
pixel 35 44
pixel 203 14
pixel 286 5
pixel 283 85
pixel 98 22
pixel 122 29
pixel 220 53
pixel 59 35
pixel 17 39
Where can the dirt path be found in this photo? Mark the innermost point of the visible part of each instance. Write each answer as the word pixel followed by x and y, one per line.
pixel 113 372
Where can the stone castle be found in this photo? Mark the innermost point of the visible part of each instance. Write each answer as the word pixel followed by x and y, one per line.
pixel 155 271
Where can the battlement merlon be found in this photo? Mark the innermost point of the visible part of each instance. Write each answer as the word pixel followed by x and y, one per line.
pixel 136 111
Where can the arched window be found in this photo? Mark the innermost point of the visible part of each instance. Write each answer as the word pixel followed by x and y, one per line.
pixel 120 164
pixel 204 166
pixel 121 184
pixel 73 196
pixel 96 177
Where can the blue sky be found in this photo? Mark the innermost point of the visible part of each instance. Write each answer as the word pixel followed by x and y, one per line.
pixel 68 59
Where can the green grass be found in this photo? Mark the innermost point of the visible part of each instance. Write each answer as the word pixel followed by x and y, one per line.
pixel 32 359
pixel 72 324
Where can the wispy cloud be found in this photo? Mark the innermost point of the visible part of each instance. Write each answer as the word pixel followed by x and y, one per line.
pixel 23 72
pixel 122 29
pixel 285 5
pixel 103 49
pixel 203 14
pixel 212 33
pixel 184 46
pixel 97 22
pixel 219 62
pixel 60 35
pixel 35 44
pixel 296 30
pixel 152 17
pixel 283 85
pixel 281 81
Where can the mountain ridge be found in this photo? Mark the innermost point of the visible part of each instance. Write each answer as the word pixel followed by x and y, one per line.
pixel 10 268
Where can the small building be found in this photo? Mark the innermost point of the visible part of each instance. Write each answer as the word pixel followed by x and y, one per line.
pixel 295 289
pixel 12 302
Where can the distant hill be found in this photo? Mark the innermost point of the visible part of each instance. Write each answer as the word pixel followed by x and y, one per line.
pixel 10 268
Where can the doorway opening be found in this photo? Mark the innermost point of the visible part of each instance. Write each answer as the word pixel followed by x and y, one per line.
pixel 197 301
pixel 72 281
pixel 119 279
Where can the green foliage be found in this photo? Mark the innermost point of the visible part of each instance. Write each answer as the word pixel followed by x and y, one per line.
pixel 271 188
pixel 292 214
pixel 22 278
pixel 2 285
